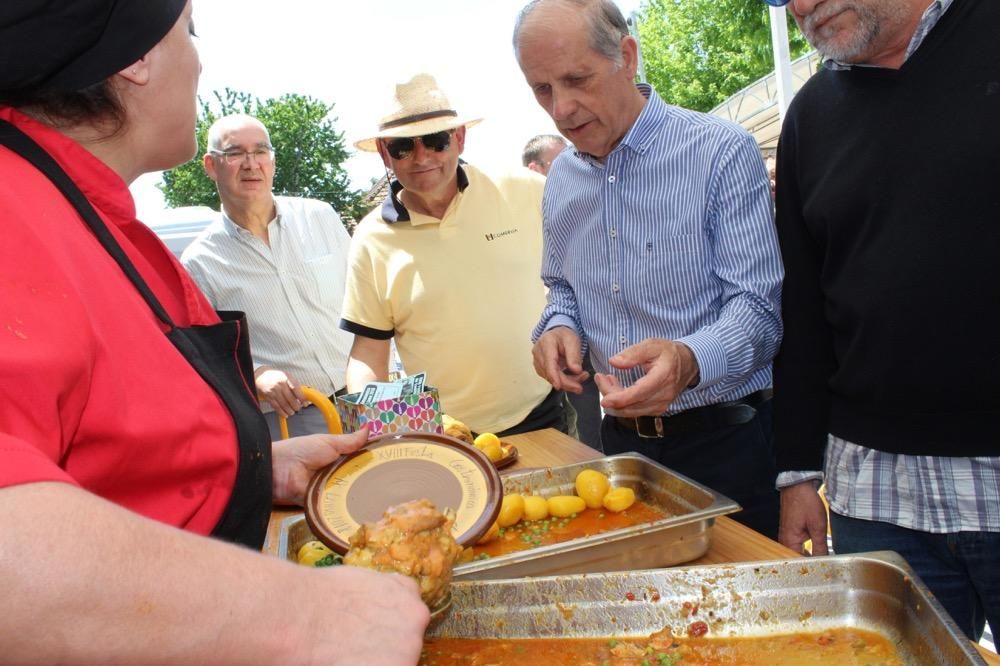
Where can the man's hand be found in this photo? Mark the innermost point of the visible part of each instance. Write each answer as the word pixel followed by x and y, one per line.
pixel 558 359
pixel 803 517
pixel 297 459
pixel 280 390
pixel 669 367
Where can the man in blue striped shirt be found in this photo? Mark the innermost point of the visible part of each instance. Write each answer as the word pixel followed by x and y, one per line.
pixel 660 257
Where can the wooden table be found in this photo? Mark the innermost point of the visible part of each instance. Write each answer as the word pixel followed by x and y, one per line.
pixel 731 541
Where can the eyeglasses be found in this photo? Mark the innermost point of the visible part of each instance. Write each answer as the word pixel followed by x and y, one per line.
pixel 777 3
pixel 260 155
pixel 401 149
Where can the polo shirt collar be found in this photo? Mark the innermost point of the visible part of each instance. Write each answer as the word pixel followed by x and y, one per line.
pixel 393 209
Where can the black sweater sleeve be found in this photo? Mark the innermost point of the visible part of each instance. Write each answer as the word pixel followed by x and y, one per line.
pixel 805 362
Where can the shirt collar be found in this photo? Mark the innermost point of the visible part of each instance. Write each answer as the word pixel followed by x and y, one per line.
pixel 645 127
pixel 234 228
pixel 930 18
pixel 393 209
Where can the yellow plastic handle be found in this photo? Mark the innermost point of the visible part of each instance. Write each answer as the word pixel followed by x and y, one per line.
pixel 326 408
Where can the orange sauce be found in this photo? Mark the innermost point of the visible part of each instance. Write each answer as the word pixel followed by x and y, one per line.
pixel 835 647
pixel 529 534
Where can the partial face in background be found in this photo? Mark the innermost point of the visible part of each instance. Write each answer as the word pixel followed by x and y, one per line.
pixel 856 31
pixel 425 170
pixel 174 71
pixel 582 90
pixel 242 164
pixel 544 162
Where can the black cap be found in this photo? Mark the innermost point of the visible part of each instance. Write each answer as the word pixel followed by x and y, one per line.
pixel 61 46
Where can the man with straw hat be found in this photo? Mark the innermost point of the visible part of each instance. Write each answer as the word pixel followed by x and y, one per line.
pixel 448 266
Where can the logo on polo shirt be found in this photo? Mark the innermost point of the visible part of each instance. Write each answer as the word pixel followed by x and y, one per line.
pixel 500 234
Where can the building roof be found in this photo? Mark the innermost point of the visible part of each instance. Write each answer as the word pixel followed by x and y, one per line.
pixel 755 107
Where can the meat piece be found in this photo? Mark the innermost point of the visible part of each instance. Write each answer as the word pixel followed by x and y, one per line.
pixel 413 539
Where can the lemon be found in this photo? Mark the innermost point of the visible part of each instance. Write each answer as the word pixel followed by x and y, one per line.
pixel 563 506
pixel 619 499
pixel 485 439
pixel 511 510
pixel 535 508
pixel 492 450
pixel 592 486
pixel 311 552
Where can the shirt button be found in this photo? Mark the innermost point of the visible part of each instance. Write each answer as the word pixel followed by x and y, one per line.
pixel 611 179
pixel 614 286
pixel 622 339
pixel 614 234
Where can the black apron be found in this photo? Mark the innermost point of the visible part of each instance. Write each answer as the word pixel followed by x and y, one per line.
pixel 219 353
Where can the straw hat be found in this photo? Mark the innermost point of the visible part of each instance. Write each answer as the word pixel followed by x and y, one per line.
pixel 419 107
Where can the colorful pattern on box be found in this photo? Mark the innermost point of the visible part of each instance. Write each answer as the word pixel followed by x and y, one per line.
pixel 420 412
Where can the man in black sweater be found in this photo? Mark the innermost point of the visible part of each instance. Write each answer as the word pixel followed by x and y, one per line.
pixel 888 212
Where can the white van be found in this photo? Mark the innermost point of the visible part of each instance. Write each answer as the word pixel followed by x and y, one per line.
pixel 177 227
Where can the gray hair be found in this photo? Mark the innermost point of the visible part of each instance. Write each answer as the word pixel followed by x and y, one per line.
pixel 607 25
pixel 225 123
pixel 537 145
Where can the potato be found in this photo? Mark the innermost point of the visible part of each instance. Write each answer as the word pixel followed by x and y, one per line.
pixel 563 506
pixel 511 510
pixel 619 499
pixel 535 508
pixel 592 486
pixel 491 534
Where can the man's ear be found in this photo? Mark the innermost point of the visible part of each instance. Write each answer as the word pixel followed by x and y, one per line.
pixel 208 162
pixel 630 56
pixel 460 139
pixel 137 72
pixel 536 167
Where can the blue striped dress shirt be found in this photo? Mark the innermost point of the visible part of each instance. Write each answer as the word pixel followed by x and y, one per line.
pixel 670 236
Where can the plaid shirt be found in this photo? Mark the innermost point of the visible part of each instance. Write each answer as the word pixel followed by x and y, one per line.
pixel 926 493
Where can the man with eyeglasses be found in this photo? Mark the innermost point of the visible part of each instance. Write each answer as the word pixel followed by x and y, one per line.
pixel 888 212
pixel 448 266
pixel 660 257
pixel 281 260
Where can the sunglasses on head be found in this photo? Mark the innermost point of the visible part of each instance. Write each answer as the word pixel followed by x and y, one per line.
pixel 402 148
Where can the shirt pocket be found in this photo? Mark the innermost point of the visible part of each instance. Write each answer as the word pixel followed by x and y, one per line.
pixel 328 274
pixel 673 268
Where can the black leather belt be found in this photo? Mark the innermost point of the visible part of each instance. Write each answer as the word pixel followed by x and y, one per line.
pixel 697 419
pixel 338 393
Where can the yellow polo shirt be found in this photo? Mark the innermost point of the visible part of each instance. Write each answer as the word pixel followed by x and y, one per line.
pixel 460 295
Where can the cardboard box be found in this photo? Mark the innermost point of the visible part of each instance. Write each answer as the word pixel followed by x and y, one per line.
pixel 419 411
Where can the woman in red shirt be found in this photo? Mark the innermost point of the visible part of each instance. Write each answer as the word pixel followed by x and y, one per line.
pixel 124 410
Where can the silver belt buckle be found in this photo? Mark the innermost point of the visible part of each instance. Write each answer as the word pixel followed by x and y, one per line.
pixel 657 423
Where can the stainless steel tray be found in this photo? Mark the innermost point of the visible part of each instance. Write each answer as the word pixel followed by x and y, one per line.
pixel 681 537
pixel 875 591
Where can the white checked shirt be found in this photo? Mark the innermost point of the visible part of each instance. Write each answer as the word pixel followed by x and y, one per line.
pixel 926 493
pixel 292 290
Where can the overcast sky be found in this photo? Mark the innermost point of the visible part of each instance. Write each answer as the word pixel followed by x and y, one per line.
pixel 351 53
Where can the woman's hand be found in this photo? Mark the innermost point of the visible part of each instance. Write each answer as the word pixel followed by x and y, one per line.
pixel 296 460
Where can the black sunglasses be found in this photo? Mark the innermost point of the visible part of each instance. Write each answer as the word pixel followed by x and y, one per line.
pixel 402 148
pixel 777 3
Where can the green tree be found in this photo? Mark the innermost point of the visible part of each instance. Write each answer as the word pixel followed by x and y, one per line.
pixel 697 53
pixel 309 152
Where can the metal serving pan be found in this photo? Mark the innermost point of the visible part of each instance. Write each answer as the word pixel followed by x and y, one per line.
pixel 874 591
pixel 681 537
